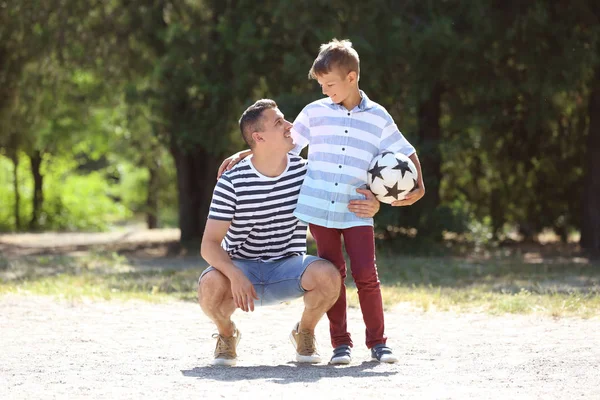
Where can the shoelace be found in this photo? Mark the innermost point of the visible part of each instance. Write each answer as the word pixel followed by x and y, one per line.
pixel 307 342
pixel 224 344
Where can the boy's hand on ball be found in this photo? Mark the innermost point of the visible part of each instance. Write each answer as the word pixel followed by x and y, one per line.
pixel 364 208
pixel 410 198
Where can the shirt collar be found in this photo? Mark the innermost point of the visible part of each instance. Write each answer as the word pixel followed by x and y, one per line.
pixel 365 103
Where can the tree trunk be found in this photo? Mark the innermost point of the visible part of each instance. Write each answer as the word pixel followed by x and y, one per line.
pixel 38 189
pixel 590 223
pixel 17 206
pixel 196 179
pixel 152 197
pixel 429 113
pixel 496 211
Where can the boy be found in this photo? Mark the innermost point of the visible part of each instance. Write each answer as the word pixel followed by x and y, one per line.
pixel 344 132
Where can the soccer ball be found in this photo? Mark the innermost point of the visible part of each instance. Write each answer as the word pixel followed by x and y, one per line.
pixel 391 176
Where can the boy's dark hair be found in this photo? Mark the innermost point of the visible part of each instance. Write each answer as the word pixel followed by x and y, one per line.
pixel 251 120
pixel 335 54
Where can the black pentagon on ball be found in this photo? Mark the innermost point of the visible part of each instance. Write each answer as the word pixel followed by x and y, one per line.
pixel 402 166
pixel 392 191
pixel 376 171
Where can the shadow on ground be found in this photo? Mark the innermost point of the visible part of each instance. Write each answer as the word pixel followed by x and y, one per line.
pixel 286 374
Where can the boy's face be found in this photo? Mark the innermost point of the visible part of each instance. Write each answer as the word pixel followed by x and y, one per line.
pixel 276 132
pixel 337 85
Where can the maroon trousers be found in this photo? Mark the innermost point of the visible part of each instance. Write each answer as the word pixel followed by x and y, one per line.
pixel 360 246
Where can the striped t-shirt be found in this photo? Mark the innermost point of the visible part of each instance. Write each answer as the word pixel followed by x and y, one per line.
pixel 261 211
pixel 341 145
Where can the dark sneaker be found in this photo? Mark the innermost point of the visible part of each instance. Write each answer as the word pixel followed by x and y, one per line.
pixel 341 355
pixel 306 346
pixel 225 352
pixel 383 354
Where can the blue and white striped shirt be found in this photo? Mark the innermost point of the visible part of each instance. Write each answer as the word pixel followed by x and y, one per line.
pixel 341 144
pixel 260 208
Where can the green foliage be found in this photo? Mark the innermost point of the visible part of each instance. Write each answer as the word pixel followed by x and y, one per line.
pixel 83 204
pixel 132 191
pixel 126 91
pixel 7 194
pixel 73 201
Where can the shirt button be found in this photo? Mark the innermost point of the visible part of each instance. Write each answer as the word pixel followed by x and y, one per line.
pixel 343 149
pixel 346 131
pixel 332 201
pixel 339 166
pixel 336 184
pixel 348 113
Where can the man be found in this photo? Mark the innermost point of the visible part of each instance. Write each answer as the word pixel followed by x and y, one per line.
pixel 255 245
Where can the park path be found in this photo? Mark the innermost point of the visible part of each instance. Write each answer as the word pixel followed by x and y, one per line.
pixel 134 350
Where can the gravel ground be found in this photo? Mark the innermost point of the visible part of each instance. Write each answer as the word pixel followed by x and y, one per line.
pixel 134 350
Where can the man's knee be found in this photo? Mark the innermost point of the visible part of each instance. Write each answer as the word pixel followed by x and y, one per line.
pixel 324 276
pixel 212 287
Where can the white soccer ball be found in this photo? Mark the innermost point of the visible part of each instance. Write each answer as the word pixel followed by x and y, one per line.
pixel 391 176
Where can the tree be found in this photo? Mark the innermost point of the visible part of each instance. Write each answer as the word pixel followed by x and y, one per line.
pixel 589 13
pixel 192 78
pixel 29 31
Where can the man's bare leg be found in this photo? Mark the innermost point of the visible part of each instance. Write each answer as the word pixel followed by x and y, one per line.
pixel 322 281
pixel 214 296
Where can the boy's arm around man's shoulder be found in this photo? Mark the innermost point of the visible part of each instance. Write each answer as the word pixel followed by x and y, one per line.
pixel 230 161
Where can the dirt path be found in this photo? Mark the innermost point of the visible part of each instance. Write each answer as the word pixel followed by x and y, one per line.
pixel 135 350
pixel 111 350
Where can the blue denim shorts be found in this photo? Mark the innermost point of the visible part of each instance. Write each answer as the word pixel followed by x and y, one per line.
pixel 274 281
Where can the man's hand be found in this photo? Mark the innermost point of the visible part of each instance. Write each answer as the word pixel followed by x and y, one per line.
pixel 364 208
pixel 411 198
pixel 229 162
pixel 243 291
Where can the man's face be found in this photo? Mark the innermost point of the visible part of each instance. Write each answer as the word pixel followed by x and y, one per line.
pixel 276 132
pixel 336 85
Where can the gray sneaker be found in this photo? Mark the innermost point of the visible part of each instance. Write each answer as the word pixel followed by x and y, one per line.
pixel 341 355
pixel 225 351
pixel 305 344
pixel 383 354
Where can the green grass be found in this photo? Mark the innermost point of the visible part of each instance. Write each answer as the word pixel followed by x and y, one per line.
pixel 477 299
pixel 105 276
pixel 498 285
pixel 155 287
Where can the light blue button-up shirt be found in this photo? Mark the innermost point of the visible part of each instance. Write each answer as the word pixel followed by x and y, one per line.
pixel 341 144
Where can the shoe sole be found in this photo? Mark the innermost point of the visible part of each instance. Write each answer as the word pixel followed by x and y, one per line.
pixel 340 361
pixel 303 359
pixel 223 362
pixel 308 359
pixel 384 361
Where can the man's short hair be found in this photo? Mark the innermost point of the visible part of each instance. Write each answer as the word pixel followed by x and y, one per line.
pixel 338 54
pixel 251 120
